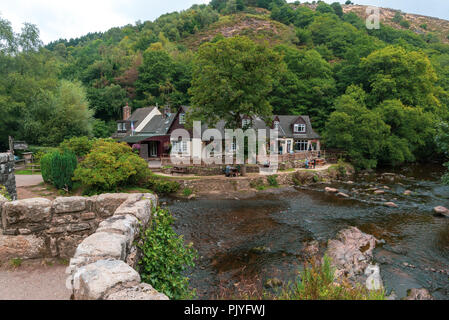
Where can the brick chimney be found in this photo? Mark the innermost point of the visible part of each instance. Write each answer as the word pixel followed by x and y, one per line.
pixel 126 112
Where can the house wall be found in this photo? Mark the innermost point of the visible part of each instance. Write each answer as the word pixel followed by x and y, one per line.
pixel 7 177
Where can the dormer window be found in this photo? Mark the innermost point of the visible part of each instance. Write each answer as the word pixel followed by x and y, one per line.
pixel 182 118
pixel 121 126
pixel 246 123
pixel 300 128
pixel 276 125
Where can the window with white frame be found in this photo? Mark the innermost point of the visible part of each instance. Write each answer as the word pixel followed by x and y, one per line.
pixel 180 146
pixel 182 118
pixel 301 128
pixel 301 145
pixel 246 123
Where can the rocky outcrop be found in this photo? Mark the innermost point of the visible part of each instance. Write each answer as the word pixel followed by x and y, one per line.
pixel 7 177
pixel 352 253
pixel 418 294
pixel 102 267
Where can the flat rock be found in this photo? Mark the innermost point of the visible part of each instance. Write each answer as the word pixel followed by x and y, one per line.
pixel 331 190
pixel 103 245
pixel 379 191
pixel 69 204
pixel 93 281
pixel 141 210
pixel 391 204
pixel 26 211
pixel 342 195
pixel 407 192
pixel 107 203
pixel 23 246
pixel 142 291
pixel 124 225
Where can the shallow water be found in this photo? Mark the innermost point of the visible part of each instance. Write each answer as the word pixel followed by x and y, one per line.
pixel 262 237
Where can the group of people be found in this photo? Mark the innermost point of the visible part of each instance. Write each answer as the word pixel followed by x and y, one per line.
pixel 310 164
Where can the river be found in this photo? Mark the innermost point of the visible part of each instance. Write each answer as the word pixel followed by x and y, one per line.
pixel 243 242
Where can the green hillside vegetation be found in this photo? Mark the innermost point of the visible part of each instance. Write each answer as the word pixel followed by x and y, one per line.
pixel 377 94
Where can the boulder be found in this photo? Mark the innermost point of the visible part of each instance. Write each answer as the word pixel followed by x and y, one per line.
pixel 107 203
pixel 418 294
pixel 374 281
pixel 69 204
pixel 351 252
pixel 23 246
pixel 331 190
pixel 152 197
pixel 102 245
pixel 441 211
pixel 391 204
pixel 379 191
pixel 407 193
pixel 273 283
pixel 26 211
pixel 142 291
pixel 93 281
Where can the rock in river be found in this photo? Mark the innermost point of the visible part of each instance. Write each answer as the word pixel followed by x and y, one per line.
pixel 331 190
pixel 442 211
pixel 418 294
pixel 391 205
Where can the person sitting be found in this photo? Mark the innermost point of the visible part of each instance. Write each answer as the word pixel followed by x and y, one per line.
pixel 228 171
pixel 307 163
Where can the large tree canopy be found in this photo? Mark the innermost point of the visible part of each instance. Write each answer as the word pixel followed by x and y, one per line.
pixel 233 78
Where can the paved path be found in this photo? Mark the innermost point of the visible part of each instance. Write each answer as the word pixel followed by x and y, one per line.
pixel 28 180
pixel 36 283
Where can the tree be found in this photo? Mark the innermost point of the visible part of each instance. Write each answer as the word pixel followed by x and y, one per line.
pixel 356 129
pixel 232 79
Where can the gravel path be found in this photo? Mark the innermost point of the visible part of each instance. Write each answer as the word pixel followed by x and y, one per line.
pixel 28 180
pixel 34 283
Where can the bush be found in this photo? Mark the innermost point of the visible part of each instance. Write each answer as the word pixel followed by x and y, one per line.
pixel 165 257
pixel 58 168
pixel 81 146
pixel 162 186
pixel 404 24
pixel 187 192
pixel 272 181
pixel 110 165
pixel 4 192
pixel 318 282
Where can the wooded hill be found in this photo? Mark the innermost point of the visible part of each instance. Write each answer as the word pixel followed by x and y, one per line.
pixel 379 94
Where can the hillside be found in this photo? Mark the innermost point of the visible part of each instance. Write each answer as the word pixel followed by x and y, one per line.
pixel 378 94
pixel 418 23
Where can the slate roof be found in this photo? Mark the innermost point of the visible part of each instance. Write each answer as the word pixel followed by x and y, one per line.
pixel 159 124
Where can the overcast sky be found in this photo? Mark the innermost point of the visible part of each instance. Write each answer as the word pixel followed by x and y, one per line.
pixel 69 19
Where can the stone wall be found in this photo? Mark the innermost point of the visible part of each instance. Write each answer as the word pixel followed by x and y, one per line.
pixel 41 228
pixel 7 177
pixel 103 267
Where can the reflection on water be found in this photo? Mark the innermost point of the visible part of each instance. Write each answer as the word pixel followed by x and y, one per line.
pixel 263 236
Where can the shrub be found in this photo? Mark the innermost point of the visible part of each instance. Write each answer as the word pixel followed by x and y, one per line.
pixel 302 177
pixel 162 186
pixel 110 165
pixel 257 184
pixel 272 181
pixel 187 192
pixel 404 24
pixel 165 257
pixel 81 146
pixel 58 168
pixel 318 282
pixel 4 192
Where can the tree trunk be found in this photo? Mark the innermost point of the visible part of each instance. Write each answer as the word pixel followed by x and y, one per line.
pixel 243 170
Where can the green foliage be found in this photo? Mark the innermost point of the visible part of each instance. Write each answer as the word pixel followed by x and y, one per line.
pixel 4 192
pixel 58 168
pixel 187 192
pixel 165 257
pixel 162 186
pixel 233 72
pixel 442 141
pixel 405 24
pixel 81 146
pixel 318 282
pixel 272 181
pixel 110 165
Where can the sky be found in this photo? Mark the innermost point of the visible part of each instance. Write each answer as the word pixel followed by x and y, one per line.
pixel 70 19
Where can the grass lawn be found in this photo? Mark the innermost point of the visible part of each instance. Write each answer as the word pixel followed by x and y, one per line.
pixel 26 172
